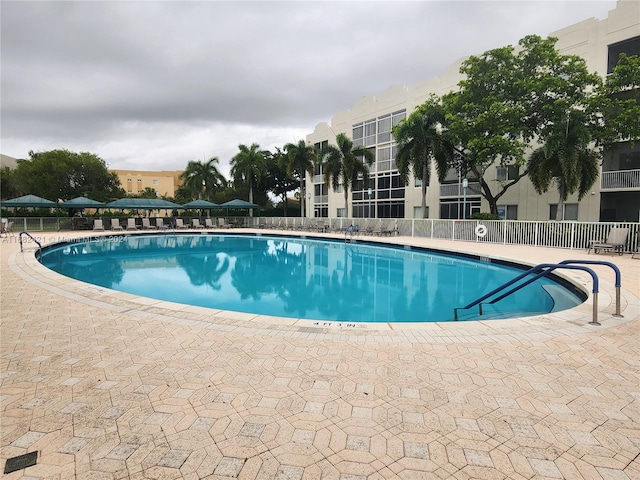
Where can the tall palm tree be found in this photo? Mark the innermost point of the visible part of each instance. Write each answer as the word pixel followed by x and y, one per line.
pixel 202 178
pixel 422 138
pixel 344 163
pixel 248 166
pixel 566 158
pixel 302 158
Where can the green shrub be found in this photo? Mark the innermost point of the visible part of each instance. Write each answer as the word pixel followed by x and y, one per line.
pixel 484 216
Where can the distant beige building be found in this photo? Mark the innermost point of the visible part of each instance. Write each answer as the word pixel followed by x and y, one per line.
pixel 164 182
pixel 7 161
pixel 615 197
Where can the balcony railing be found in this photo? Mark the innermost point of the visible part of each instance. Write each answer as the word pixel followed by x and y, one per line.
pixel 456 190
pixel 620 180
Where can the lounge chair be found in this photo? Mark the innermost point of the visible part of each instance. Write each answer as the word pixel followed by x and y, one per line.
pixel 160 224
pixel 115 224
pixel 131 224
pixel 222 223
pixel 208 223
pixel 614 243
pixel 97 225
pixel 195 223
pixel 180 224
pixel 146 224
pixel 320 226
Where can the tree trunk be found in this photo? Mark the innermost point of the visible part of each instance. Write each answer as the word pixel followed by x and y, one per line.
pixel 303 212
pixel 250 199
pixel 425 181
pixel 560 209
pixel 346 202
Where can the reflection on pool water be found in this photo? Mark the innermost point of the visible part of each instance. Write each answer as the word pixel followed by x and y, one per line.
pixel 301 277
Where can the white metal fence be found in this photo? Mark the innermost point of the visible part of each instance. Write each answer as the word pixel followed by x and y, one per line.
pixel 570 235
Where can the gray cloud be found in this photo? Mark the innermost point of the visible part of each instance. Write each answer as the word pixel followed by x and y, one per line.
pixel 109 77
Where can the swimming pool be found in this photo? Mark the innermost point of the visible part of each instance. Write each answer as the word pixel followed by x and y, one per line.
pixel 302 277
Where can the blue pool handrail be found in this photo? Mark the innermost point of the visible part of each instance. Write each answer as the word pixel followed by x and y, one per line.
pixel 540 271
pixel 29 235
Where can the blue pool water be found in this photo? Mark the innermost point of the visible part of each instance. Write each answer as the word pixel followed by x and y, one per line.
pixel 301 277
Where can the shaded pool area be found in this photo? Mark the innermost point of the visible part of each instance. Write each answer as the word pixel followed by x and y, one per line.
pixel 297 277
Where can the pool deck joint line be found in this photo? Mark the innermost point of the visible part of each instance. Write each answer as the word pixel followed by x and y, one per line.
pixel 103 384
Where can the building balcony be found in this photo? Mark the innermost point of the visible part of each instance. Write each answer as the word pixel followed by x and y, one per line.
pixel 620 180
pixel 456 190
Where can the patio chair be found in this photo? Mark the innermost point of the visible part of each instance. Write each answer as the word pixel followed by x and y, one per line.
pixel 6 228
pixel 222 223
pixel 195 223
pixel 160 224
pixel 97 225
pixel 146 224
pixel 208 223
pixel 115 224
pixel 180 224
pixel 131 224
pixel 614 243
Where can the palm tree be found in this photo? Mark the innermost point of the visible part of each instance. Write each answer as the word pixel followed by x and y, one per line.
pixel 202 178
pixel 248 166
pixel 567 159
pixel 344 163
pixel 422 138
pixel 302 158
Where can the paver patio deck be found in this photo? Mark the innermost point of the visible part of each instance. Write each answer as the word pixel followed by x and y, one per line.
pixel 105 385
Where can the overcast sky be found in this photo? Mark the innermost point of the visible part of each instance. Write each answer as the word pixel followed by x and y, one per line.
pixel 152 85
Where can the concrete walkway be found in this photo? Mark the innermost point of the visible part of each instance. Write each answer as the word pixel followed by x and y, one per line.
pixel 105 385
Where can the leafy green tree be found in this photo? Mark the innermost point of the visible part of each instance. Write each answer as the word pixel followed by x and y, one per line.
pixel 61 174
pixel 567 159
pixel 302 158
pixel 421 138
pixel 148 192
pixel 248 166
pixel 277 179
pixel 203 179
pixel 344 163
pixel 507 100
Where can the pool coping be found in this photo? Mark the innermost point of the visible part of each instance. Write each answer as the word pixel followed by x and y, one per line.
pixel 567 322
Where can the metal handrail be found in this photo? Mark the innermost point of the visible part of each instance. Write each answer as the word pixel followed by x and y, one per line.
pixel 540 271
pixel 28 235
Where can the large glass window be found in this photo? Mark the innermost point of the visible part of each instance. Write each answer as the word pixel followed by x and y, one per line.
pixel 630 47
pixel 508 212
pixel 384 129
pixel 417 212
pixel 509 172
pixel 370 133
pixel 570 211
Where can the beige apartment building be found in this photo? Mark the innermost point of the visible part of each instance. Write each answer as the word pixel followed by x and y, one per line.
pixel 615 197
pixel 164 182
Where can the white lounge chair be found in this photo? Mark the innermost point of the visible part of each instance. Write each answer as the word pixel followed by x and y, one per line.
pixel 614 243
pixel 160 224
pixel 131 224
pixel 222 223
pixel 97 225
pixel 195 223
pixel 146 224
pixel 115 224
pixel 180 224
pixel 208 223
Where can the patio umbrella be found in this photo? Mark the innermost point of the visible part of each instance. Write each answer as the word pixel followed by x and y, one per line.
pixel 28 201
pixel 201 205
pixel 237 203
pixel 143 203
pixel 81 202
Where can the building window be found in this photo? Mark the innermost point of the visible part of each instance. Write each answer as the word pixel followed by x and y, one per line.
pixel 370 133
pixel 155 181
pixel 509 172
pixel 508 212
pixel 417 212
pixel 139 180
pixel 384 129
pixel 340 212
pixel 417 182
pixel 630 47
pixel 570 211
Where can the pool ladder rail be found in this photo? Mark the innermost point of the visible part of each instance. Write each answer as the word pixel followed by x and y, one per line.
pixel 34 240
pixel 542 270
